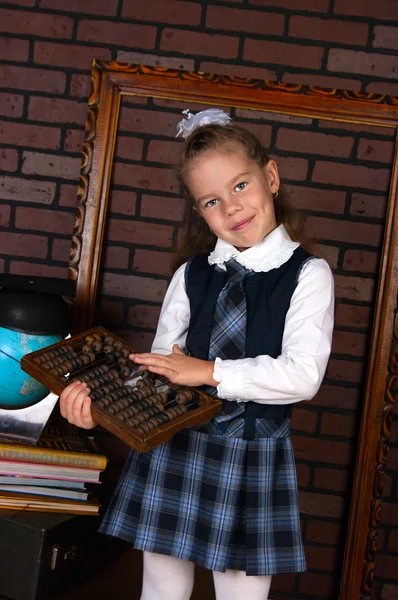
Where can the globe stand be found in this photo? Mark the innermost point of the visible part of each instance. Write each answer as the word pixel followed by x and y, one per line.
pixel 33 315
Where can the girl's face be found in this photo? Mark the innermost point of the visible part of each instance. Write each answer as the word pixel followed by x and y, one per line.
pixel 234 195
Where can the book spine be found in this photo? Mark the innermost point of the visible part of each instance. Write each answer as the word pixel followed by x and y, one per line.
pixel 65 459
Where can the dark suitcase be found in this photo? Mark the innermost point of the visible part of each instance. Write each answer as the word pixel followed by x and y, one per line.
pixel 43 554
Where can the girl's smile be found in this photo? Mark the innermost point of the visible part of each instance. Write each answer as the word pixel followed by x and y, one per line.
pixel 234 195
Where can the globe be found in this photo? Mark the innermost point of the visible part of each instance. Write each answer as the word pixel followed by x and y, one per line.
pixel 17 388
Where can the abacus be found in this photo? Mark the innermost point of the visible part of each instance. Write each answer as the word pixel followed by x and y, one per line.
pixel 140 408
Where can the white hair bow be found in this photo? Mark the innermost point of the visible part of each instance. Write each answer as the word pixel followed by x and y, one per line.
pixel 209 116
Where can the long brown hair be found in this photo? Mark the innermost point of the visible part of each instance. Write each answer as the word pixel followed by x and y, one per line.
pixel 196 237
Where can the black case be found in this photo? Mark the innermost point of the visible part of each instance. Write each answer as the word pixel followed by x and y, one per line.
pixel 43 554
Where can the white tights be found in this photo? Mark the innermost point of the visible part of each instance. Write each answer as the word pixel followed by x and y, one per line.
pixel 169 578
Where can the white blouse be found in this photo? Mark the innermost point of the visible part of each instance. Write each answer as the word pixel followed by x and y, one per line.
pixel 297 373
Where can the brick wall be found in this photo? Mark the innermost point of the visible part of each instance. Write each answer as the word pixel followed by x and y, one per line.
pixel 46 52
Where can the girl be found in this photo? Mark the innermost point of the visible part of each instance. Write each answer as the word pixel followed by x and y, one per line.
pixel 248 313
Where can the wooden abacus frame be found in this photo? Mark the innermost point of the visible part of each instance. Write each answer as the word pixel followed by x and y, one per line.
pixel 208 408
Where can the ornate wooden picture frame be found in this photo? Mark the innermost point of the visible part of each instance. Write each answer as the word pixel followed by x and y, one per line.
pixel 111 81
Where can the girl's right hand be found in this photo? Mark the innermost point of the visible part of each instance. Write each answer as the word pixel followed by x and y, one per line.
pixel 75 405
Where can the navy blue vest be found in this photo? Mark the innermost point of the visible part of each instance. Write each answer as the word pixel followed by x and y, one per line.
pixel 268 298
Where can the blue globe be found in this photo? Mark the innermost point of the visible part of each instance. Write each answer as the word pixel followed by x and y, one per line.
pixel 17 388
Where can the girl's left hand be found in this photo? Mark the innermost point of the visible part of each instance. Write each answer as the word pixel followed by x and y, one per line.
pixel 178 368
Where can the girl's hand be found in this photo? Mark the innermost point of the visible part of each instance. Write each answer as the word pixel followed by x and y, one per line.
pixel 75 405
pixel 177 367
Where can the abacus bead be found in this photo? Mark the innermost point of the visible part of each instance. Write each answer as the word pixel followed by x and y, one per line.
pixel 98 337
pixel 125 352
pixel 117 346
pixel 109 340
pixel 107 348
pixel 89 339
pixel 97 346
pixel 86 348
pixel 85 359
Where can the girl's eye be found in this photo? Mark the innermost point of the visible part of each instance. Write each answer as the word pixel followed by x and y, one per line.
pixel 241 186
pixel 212 202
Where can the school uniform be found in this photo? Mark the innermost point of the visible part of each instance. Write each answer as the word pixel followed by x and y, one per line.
pixel 224 495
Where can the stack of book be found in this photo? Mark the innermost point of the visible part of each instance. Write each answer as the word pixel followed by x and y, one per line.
pixel 59 474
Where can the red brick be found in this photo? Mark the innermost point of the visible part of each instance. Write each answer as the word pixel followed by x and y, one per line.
pixel 26 78
pixel 349 315
pixel 108 311
pixel 270 116
pixel 1 265
pixel 304 420
pixel 8 159
pixel 194 42
pixel 329 30
pixel 163 11
pixel 140 120
pixel 351 175
pixel 309 142
pixel 11 105
pixel 321 505
pixel 68 55
pixel 128 148
pixel 5 213
pixel 170 62
pixel 80 85
pixel 322 532
pixel 319 6
pixel 326 81
pixel 68 195
pixel 12 49
pixel 35 136
pixel 325 451
pixel 23 244
pixel 27 190
pixel 281 53
pixel 237 70
pixel 390 567
pixel 264 132
pixel 354 288
pixel 61 250
pixel 56 110
pixel 147 178
pixel 130 286
pixel 343 370
pixel 148 261
pixel 292 168
pixel 340 425
pixel 35 24
pixel 159 207
pixel 383 87
pixel 282 583
pixel 143 315
pixel 389 591
pixel 303 474
pixel 358 127
pixel 332 396
pixel 322 559
pixel 39 219
pixel 139 232
pixel 95 7
pixel 74 140
pixel 328 253
pixel 353 344
pixel 24 2
pixel 320 586
pixel 345 231
pixel 335 480
pixel 383 9
pixel 122 34
pixel 38 270
pixel 376 150
pixel 245 21
pixel 165 152
pixel 386 37
pixel 364 63
pixel 140 341
pixel 122 202
pixel 364 205
pixel 51 165
pixel 115 257
pixel 361 260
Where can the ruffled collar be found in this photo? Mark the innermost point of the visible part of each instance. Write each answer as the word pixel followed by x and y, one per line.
pixel 271 253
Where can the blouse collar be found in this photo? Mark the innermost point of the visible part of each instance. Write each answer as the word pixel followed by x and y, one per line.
pixel 271 253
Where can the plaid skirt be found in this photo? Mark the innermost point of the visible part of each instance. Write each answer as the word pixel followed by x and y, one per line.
pixel 217 500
